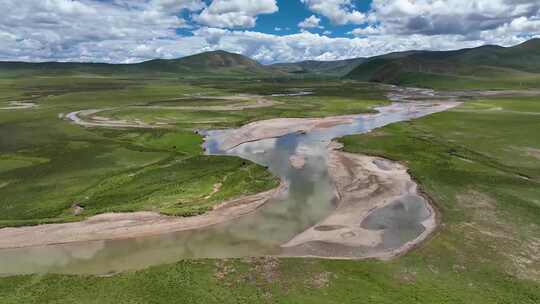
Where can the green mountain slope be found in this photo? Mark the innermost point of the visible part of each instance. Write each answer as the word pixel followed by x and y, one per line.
pixel 492 65
pixel 331 68
pixel 215 63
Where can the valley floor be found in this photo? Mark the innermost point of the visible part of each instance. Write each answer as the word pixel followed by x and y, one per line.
pixel 480 163
pixel 53 170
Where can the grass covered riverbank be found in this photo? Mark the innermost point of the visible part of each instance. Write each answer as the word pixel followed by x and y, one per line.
pixel 480 164
pixel 50 168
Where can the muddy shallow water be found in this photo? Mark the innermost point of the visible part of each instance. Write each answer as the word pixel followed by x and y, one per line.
pixel 311 197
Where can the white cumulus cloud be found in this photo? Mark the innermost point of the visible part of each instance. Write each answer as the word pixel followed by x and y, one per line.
pixel 136 30
pixel 477 22
pixel 310 22
pixel 235 13
pixel 338 11
pixel 438 17
pixel 269 48
pixel 73 30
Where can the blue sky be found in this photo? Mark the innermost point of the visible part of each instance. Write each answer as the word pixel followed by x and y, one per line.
pixel 292 12
pixel 287 18
pixel 124 31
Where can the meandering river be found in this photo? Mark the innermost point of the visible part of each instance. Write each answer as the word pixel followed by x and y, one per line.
pixel 310 199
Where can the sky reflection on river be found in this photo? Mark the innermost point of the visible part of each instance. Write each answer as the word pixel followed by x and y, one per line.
pixel 310 198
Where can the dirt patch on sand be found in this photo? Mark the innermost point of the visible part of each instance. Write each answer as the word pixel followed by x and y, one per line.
pixel 362 187
pixel 297 161
pixel 113 226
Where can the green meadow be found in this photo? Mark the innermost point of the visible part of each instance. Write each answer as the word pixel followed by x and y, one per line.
pixel 480 163
pixel 49 165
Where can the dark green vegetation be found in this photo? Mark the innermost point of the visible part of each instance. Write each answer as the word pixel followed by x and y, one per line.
pixel 216 62
pixel 515 67
pixel 209 64
pixel 49 167
pixel 336 68
pixel 480 163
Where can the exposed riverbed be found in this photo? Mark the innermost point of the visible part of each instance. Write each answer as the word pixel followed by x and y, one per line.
pixel 19 105
pixel 337 205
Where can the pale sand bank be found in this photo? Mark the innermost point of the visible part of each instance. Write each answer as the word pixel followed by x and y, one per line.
pixel 113 226
pixel 363 184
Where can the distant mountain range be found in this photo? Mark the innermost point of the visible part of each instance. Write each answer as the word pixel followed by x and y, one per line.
pixel 476 63
pixel 215 63
pixel 333 68
pixel 409 67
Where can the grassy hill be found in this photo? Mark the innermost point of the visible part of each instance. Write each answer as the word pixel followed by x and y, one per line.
pixel 486 66
pixel 215 63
